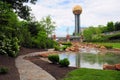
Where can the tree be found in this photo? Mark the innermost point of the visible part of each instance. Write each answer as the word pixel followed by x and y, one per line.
pixel 19 7
pixel 88 33
pixel 94 33
pixel 37 34
pixel 48 25
pixel 33 28
pixel 110 26
pixel 9 43
pixel 8 20
pixel 117 26
pixel 39 40
pixel 102 28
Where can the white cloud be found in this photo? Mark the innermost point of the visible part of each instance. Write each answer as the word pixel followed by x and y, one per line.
pixel 100 11
pixel 95 12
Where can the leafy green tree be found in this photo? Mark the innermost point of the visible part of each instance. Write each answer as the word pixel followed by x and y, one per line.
pixel 22 10
pixel 8 20
pixel 29 33
pixel 117 26
pixel 48 25
pixel 88 33
pixel 37 35
pixel 9 43
pixel 110 26
pixel 95 33
pixel 33 28
pixel 102 28
pixel 24 34
pixel 98 33
pixel 98 30
pixel 40 40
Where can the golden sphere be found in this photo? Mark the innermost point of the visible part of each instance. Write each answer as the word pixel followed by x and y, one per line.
pixel 77 9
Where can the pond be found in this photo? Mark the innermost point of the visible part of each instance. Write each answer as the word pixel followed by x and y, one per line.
pixel 90 60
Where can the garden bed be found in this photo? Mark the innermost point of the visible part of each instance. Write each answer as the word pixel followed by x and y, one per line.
pixel 9 62
pixel 12 70
pixel 54 69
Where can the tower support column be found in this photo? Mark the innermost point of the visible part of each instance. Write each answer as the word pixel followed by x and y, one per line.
pixel 77 24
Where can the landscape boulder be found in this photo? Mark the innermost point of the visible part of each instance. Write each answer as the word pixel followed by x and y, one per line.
pixel 109 67
pixel 117 66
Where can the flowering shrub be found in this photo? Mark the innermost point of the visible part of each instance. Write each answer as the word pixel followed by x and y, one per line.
pixel 8 46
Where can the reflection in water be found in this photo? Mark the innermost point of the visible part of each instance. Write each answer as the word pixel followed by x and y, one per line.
pixel 89 60
pixel 90 50
pixel 78 60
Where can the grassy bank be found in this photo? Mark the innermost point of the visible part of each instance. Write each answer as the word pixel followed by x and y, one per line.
pixel 115 45
pixel 93 74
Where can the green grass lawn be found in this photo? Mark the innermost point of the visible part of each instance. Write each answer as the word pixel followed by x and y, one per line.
pixel 92 74
pixel 115 45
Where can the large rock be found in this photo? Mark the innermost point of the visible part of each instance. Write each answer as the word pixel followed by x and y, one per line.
pixel 73 49
pixel 102 47
pixel 67 49
pixel 109 67
pixel 117 66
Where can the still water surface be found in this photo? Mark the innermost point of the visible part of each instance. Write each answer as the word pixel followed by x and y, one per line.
pixel 91 60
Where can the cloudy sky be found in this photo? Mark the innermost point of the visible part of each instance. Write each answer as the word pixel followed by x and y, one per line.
pixel 95 12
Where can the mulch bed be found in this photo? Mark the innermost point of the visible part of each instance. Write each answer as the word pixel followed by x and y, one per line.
pixel 54 69
pixel 10 63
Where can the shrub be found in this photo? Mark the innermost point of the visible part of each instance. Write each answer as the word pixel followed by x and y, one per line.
pixel 67 44
pixel 51 43
pixel 43 43
pixel 54 58
pixel 99 38
pixel 57 48
pixel 64 63
pixel 3 70
pixel 114 36
pixel 9 47
pixel 64 47
pixel 15 47
pixel 108 46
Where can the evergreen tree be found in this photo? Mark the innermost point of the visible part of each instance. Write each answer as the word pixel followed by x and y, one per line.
pixel 110 26
pixel 117 26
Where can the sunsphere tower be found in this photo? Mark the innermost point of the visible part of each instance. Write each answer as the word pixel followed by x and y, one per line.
pixel 77 10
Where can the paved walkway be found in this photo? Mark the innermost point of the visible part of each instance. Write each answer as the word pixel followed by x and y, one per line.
pixel 30 71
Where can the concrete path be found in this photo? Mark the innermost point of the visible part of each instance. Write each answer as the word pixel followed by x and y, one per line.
pixel 30 71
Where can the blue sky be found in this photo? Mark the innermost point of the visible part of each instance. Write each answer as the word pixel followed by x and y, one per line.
pixel 95 12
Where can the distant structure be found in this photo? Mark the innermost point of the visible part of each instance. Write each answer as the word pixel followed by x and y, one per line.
pixel 77 10
pixel 67 36
pixel 54 37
